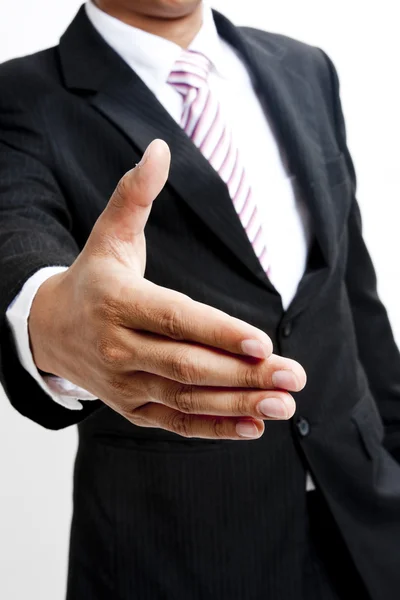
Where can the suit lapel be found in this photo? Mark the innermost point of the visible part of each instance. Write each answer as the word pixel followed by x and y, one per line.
pixel 288 101
pixel 122 98
pixel 91 66
pixel 191 176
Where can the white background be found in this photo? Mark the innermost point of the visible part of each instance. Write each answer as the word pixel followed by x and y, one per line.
pixel 362 38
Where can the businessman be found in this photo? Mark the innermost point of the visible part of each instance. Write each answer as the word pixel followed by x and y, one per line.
pixel 174 333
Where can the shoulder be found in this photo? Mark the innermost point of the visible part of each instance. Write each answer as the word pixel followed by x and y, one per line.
pixel 29 78
pixel 301 60
pixel 305 58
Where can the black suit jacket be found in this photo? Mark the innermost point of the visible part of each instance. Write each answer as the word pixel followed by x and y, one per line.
pixel 217 519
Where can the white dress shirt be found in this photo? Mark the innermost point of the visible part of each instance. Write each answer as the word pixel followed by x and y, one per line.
pixel 285 221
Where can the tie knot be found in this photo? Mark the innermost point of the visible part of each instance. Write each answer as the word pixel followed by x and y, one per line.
pixel 191 70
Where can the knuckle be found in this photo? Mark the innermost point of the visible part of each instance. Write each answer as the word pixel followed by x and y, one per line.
pixel 241 405
pixel 121 389
pixel 136 418
pixel 252 377
pixel 170 323
pixel 106 308
pixel 104 350
pixel 181 397
pixel 181 424
pixel 218 428
pixel 184 369
pixel 110 354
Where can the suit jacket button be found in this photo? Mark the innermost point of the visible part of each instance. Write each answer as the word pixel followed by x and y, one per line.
pixel 303 427
pixel 287 329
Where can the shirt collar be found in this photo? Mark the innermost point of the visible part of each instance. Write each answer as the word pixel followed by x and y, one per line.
pixel 150 56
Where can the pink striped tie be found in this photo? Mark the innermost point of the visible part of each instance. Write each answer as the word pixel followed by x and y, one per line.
pixel 203 123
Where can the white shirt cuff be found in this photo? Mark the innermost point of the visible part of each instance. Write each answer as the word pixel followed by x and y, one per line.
pixel 63 392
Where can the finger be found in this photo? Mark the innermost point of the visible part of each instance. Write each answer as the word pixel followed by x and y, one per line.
pixel 127 212
pixel 223 402
pixel 197 426
pixel 171 314
pixel 198 365
pixel 193 364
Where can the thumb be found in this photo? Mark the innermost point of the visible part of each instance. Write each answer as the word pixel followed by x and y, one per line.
pixel 126 214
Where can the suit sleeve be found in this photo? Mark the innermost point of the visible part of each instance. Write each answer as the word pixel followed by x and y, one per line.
pixel 35 232
pixel 377 349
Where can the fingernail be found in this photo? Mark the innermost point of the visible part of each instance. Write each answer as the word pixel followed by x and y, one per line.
pixel 247 429
pixel 273 407
pixel 254 348
pixel 286 380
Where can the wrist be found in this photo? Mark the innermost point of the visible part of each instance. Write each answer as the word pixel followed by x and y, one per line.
pixel 44 324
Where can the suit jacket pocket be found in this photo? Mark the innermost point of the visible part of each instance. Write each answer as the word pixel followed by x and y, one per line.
pixel 369 424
